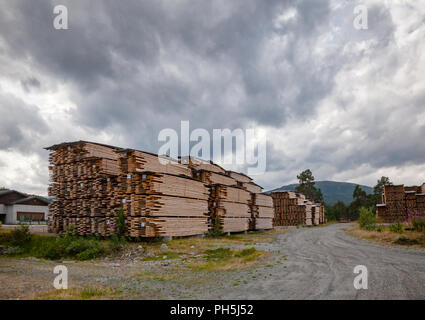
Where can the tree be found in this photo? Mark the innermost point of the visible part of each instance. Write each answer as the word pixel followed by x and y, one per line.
pixel 359 194
pixel 307 186
pixel 379 188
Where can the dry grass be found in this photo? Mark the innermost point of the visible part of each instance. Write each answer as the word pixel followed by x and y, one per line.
pixel 388 238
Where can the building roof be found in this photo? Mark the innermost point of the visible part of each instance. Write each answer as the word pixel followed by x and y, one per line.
pixel 23 197
pixel 7 191
pixel 29 198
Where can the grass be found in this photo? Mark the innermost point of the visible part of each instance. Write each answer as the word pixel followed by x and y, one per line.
pixel 390 236
pixel 86 293
pixel 227 259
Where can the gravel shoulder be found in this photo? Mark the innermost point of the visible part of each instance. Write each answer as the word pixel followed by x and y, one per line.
pixel 309 263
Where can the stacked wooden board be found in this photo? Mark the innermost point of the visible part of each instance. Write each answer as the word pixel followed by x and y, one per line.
pixel 163 204
pixel 160 196
pixel 229 207
pixel 292 209
pixel 398 201
pixel 83 181
pixel 262 212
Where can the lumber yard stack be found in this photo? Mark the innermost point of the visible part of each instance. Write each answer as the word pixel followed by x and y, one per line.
pixel 83 184
pixel 398 201
pixel 262 213
pixel 160 196
pixel 229 207
pixel 292 209
pixel 165 205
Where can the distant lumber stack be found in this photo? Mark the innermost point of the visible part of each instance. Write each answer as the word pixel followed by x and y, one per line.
pixel 400 201
pixel 293 209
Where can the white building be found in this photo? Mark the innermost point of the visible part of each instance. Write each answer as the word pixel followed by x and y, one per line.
pixel 18 207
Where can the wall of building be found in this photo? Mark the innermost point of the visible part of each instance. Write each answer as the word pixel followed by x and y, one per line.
pixel 12 211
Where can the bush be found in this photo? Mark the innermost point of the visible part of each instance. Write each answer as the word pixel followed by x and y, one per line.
pixel 20 237
pixel 419 224
pixel 216 231
pixel 396 227
pixel 121 226
pixel 367 219
pixel 379 228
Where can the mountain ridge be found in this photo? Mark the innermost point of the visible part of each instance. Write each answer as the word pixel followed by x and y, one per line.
pixel 333 191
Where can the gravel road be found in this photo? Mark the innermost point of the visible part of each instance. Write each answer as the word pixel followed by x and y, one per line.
pixel 320 263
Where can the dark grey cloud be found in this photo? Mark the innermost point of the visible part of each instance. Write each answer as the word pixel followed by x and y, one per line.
pixel 132 68
pixel 116 55
pixel 20 125
pixel 30 83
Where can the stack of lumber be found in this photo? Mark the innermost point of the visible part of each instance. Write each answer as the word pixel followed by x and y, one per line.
pixel 316 214
pixel 229 206
pixel 162 204
pixel 309 212
pixel 292 209
pixel 212 178
pixel 398 201
pixel 83 181
pixel 160 196
pixel 131 160
pixel 199 164
pixel 251 187
pixel 322 214
pixel 262 213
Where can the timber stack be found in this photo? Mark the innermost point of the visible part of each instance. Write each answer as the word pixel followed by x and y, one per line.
pixel 399 201
pixel 262 212
pixel 229 207
pixel 293 209
pixel 159 196
pixel 83 181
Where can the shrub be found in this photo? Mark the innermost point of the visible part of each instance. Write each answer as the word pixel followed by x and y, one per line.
pixel 367 219
pixel 419 224
pixel 396 227
pixel 216 231
pixel 120 224
pixel 379 228
pixel 20 237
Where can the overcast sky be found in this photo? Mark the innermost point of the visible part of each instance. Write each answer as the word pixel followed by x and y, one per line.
pixel 348 104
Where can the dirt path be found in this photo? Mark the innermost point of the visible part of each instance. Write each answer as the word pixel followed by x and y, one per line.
pixel 320 263
pixel 313 263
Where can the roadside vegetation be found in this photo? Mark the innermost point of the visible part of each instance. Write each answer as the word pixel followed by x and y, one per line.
pixel 20 242
pixel 407 234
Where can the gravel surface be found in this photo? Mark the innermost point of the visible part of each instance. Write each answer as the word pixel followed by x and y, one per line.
pixel 310 263
pixel 320 263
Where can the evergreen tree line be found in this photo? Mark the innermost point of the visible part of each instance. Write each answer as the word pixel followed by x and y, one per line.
pixel 307 186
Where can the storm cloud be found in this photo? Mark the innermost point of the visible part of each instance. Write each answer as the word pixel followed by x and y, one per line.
pixel 347 103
